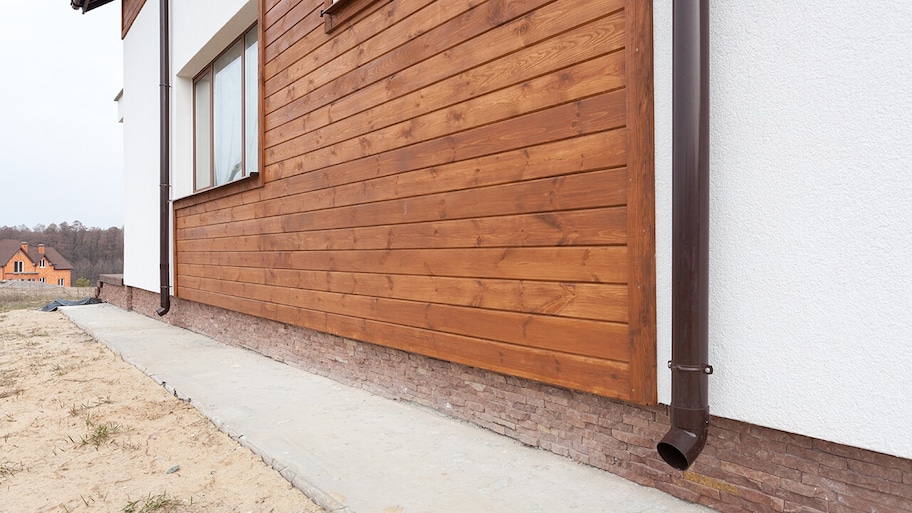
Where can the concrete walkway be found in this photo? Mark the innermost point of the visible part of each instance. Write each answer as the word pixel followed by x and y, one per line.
pixel 352 451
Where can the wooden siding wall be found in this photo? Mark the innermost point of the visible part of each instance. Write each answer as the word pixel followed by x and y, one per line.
pixel 451 178
pixel 129 10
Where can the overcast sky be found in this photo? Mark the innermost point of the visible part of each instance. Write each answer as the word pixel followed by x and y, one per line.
pixel 61 147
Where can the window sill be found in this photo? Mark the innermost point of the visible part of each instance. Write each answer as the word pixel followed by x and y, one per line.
pixel 250 182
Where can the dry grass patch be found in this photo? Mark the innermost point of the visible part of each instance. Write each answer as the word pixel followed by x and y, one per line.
pixel 12 298
pixel 83 431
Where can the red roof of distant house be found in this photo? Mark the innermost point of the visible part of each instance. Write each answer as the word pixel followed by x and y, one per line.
pixel 9 247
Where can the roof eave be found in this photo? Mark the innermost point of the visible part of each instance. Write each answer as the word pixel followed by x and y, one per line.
pixel 87 5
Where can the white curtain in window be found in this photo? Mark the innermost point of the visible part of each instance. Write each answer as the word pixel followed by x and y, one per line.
pixel 227 115
pixel 251 134
pixel 201 96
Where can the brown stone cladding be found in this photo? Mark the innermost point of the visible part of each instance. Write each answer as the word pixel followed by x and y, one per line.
pixel 744 468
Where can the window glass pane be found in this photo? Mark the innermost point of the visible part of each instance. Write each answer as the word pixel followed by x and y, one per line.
pixel 201 94
pixel 251 133
pixel 227 105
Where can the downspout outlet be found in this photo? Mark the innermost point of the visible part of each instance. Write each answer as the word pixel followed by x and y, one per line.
pixel 681 445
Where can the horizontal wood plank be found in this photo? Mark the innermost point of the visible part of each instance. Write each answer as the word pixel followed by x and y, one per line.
pixel 129 11
pixel 600 264
pixel 595 227
pixel 585 190
pixel 580 154
pixel 297 32
pixel 573 83
pixel 598 113
pixel 396 75
pixel 601 302
pixel 565 57
pixel 604 377
pixel 277 8
pixel 277 26
pixel 574 336
pixel 316 79
pixel 395 23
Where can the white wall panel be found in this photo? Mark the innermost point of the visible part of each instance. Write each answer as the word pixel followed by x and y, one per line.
pixel 141 150
pixel 811 217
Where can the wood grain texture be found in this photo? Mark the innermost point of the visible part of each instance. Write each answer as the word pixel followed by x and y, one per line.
pixel 339 14
pixel 604 302
pixel 369 155
pixel 290 16
pixel 457 179
pixel 641 202
pixel 129 10
pixel 538 60
pixel 571 84
pixel 585 190
pixel 340 187
pixel 604 377
pixel 596 264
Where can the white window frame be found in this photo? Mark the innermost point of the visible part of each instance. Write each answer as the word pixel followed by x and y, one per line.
pixel 43 263
pixel 18 266
pixel 60 281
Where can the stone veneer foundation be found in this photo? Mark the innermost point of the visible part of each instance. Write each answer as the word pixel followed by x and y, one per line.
pixel 743 468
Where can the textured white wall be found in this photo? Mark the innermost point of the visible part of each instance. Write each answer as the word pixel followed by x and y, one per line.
pixel 141 171
pixel 200 30
pixel 811 217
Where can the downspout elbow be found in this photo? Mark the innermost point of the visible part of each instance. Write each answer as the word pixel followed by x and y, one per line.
pixel 681 445
pixel 165 302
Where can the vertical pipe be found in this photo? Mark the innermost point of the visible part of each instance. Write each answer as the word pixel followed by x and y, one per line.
pixel 164 160
pixel 690 252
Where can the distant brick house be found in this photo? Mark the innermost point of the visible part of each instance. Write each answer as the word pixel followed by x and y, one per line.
pixel 43 264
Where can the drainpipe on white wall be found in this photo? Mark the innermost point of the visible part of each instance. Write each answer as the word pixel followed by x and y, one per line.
pixel 690 238
pixel 164 242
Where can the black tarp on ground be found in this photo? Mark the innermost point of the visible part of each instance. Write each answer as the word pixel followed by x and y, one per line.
pixel 53 305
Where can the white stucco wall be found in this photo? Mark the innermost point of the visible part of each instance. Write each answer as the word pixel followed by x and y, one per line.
pixel 811 217
pixel 139 107
pixel 200 30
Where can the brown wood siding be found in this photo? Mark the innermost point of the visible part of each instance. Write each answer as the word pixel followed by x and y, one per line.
pixel 468 181
pixel 129 10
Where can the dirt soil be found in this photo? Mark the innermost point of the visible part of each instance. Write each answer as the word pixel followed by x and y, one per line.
pixel 81 430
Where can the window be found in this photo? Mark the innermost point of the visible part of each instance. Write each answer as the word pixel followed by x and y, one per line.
pixel 225 116
pixel 17 266
pixel 60 281
pixel 42 280
pixel 43 263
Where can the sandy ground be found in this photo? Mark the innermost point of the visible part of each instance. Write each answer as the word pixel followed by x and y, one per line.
pixel 81 430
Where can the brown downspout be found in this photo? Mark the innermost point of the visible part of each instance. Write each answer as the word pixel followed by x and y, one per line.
pixel 690 240
pixel 164 161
